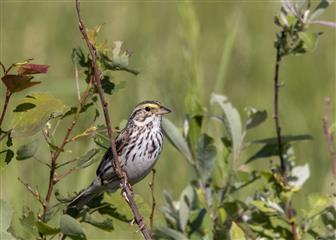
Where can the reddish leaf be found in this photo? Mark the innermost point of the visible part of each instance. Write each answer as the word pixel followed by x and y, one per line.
pixel 17 83
pixel 30 68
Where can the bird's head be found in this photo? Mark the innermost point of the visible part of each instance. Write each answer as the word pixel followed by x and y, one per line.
pixel 148 111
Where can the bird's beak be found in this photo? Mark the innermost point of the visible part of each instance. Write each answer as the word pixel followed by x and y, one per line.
pixel 163 110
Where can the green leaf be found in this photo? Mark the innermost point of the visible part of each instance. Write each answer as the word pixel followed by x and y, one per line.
pixel 309 40
pixel 186 201
pixel 24 227
pixel 320 8
pixel 45 229
pixel 27 150
pixel 6 215
pixel 285 139
pixel 73 110
pixel 88 158
pixel 17 83
pixel 262 206
pixel 105 225
pixel 168 233
pixel 255 117
pixel 197 220
pixel 267 150
pixel 194 124
pixel 318 202
pixel 71 227
pixel 236 233
pixel 29 122
pixel 24 107
pixel 5 157
pixel 231 120
pixel 176 138
pixel 206 153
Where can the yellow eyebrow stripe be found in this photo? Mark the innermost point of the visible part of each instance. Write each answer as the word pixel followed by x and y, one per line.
pixel 151 105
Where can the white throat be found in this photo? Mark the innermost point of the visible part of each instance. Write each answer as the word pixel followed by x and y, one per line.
pixel 156 120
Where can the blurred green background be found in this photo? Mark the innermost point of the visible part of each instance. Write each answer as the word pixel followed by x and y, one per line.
pixel 221 46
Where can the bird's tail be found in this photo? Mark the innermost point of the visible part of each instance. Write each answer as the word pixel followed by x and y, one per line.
pixel 87 194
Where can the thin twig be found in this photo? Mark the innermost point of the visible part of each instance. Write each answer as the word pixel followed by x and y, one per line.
pixel 151 186
pixel 61 176
pixel 276 107
pixel 283 169
pixel 8 94
pixel 35 193
pixel 3 67
pixel 52 180
pixel 115 160
pixel 329 134
pixel 77 82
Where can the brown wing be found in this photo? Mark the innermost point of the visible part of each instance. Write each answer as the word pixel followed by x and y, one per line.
pixel 105 164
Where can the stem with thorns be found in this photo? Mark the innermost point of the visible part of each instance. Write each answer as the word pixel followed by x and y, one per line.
pixel 329 134
pixel 151 186
pixel 276 107
pixel 283 169
pixel 115 160
pixel 35 193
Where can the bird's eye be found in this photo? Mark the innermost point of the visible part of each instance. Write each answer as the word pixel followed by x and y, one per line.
pixel 147 109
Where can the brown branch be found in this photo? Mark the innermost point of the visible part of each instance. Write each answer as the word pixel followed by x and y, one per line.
pixel 151 186
pixel 3 67
pixel 276 107
pixel 283 169
pixel 329 134
pixel 6 101
pixel 63 175
pixel 35 193
pixel 53 165
pixel 97 79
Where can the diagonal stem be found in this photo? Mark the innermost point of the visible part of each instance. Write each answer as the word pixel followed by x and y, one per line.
pixel 116 163
pixel 3 112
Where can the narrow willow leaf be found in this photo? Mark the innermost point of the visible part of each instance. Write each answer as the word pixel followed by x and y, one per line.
pixel 186 200
pixel 267 150
pixel 231 120
pixel 71 227
pixel 45 229
pixel 284 139
pixel 320 8
pixel 105 225
pixel 27 150
pixel 88 158
pixel 206 153
pixel 29 122
pixel 168 233
pixel 176 138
